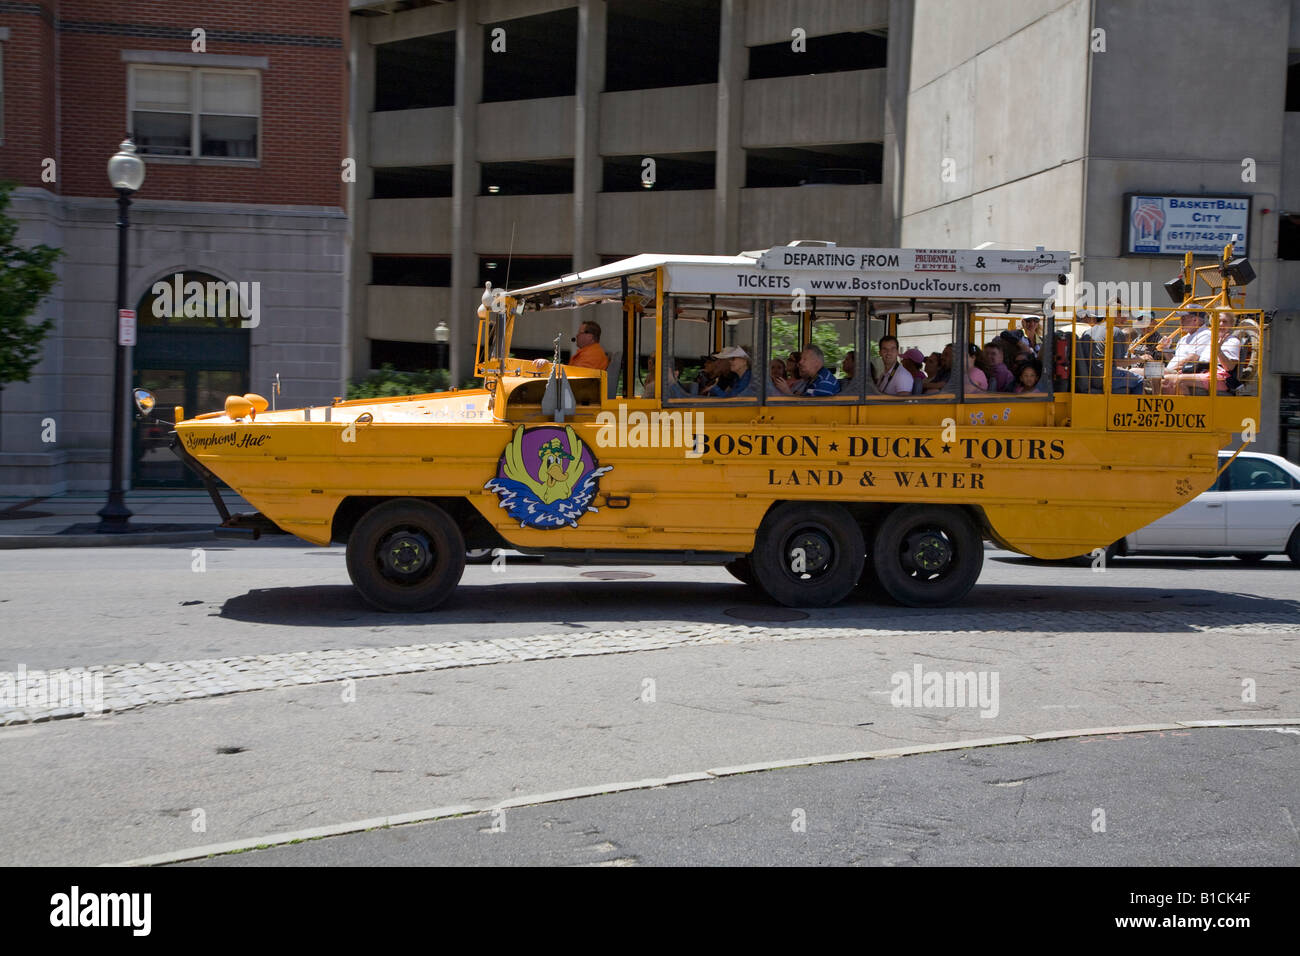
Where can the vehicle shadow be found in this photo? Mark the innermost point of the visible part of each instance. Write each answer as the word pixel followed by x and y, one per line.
pixel 557 605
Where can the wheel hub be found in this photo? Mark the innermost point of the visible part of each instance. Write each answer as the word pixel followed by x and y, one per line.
pixel 810 552
pixel 927 552
pixel 405 554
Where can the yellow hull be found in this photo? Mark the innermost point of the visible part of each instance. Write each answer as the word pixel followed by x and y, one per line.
pixel 1045 487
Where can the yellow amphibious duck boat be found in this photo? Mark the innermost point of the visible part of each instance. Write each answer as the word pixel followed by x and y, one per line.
pixel 803 490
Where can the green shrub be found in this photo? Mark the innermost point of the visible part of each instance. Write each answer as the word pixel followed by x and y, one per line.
pixel 388 382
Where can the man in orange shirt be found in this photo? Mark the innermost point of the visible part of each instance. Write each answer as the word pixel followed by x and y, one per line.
pixel 589 354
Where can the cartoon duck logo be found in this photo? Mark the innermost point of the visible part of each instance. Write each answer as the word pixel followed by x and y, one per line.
pixel 546 478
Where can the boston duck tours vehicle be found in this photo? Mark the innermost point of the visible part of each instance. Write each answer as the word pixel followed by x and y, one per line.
pixel 783 458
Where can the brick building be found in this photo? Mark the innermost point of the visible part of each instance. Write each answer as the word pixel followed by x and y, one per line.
pixel 239 110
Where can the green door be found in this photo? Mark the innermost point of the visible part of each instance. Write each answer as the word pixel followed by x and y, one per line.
pixel 193 360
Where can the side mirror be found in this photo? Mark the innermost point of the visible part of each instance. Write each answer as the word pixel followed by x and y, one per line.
pixel 144 401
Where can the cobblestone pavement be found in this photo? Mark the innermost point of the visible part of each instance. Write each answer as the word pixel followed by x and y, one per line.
pixel 24 696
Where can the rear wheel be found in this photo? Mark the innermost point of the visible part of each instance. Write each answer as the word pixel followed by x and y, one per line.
pixel 406 555
pixel 740 570
pixel 808 555
pixel 927 555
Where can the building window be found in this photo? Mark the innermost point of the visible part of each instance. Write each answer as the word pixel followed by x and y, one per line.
pixel 1293 82
pixel 846 164
pixel 630 174
pixel 196 113
pixel 411 270
pixel 657 43
pixel 414 74
pixel 1288 236
pixel 825 54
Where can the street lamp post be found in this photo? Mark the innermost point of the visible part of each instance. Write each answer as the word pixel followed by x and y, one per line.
pixel 126 173
pixel 441 334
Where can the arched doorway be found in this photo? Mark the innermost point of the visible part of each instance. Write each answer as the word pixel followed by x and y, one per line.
pixel 191 351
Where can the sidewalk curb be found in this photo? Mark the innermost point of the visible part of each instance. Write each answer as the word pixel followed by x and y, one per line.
pixel 437 814
pixel 15 541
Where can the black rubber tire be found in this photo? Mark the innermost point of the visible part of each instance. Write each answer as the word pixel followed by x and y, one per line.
pixel 412 532
pixel 741 571
pixel 1293 547
pixel 1116 550
pixel 832 559
pixel 954 545
pixel 1250 558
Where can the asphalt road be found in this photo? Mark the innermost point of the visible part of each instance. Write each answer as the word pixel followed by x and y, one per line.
pixel 680 672
pixel 1184 798
pixel 64 608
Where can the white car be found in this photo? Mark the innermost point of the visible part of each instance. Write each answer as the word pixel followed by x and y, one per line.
pixel 1251 511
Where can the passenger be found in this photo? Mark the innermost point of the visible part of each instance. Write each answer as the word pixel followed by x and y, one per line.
pixel 1002 380
pixel 976 379
pixel 939 381
pixel 737 376
pixel 821 382
pixel 914 362
pixel 848 366
pixel 1030 373
pixel 589 354
pixel 1193 339
pixel 1015 347
pixel 1092 357
pixel 1032 325
pixel 713 372
pixel 648 387
pixel 1229 356
pixel 894 379
pixel 931 366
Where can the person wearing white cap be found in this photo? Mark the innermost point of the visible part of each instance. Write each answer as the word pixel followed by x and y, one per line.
pixel 738 364
pixel 1195 340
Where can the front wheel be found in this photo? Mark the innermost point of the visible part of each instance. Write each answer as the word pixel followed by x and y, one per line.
pixel 1250 558
pixel 927 555
pixel 406 555
pixel 1293 547
pixel 808 555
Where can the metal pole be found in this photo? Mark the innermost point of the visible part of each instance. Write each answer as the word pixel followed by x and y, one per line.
pixel 113 517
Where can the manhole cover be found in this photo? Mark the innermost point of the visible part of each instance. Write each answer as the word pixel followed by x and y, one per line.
pixel 616 575
pixel 765 614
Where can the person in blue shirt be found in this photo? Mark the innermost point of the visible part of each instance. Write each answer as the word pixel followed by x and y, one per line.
pixel 738 365
pixel 821 380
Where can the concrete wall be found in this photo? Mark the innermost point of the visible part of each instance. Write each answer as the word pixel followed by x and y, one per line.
pixel 409 226
pixel 523 130
pixel 411 137
pixel 403 313
pixel 996 99
pixel 680 119
pixel 295 253
pixel 843 107
pixel 541 225
pixel 849 215
pixel 675 221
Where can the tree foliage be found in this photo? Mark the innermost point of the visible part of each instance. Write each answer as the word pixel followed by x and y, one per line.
pixel 26 278
pixel 825 335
